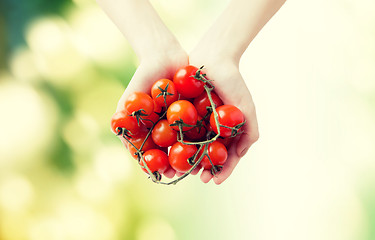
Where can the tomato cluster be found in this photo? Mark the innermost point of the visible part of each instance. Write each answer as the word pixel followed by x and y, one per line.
pixel 182 125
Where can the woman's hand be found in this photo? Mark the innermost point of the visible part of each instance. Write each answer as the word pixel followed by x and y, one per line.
pixel 156 66
pixel 220 51
pixel 231 88
pixel 152 68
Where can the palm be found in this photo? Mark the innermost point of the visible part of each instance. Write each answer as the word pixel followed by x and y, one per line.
pixel 146 74
pixel 151 70
pixel 231 88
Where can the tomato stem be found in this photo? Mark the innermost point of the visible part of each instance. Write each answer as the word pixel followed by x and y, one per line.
pixel 153 177
pixel 202 143
pixel 190 170
pixel 235 129
pixel 156 176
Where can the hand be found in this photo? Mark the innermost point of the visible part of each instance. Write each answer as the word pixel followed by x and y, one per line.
pixel 231 88
pixel 154 67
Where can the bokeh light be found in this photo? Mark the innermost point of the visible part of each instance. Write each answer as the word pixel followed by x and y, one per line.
pixel 27 123
pixel 57 59
pixel 64 175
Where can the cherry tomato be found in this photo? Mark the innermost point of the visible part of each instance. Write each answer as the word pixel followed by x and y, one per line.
pixel 217 153
pixel 163 135
pixel 179 155
pixel 197 133
pixel 202 102
pixel 122 120
pixel 164 87
pixel 156 160
pixel 149 120
pixel 228 115
pixel 138 140
pixel 139 102
pixel 182 110
pixel 186 83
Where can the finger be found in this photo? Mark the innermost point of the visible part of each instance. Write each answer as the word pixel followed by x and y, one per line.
pixel 170 173
pixel 248 137
pixel 195 171
pixel 124 142
pixel 243 144
pixel 179 174
pixel 251 132
pixel 206 176
pixel 245 103
pixel 229 165
pixel 141 81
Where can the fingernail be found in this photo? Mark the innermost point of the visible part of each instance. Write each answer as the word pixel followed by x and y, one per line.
pixel 244 152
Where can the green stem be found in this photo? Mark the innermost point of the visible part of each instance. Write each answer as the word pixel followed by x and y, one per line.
pixel 148 169
pixel 180 139
pixel 216 116
pixel 191 169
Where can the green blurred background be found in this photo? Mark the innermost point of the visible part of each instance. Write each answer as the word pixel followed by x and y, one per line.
pixel 64 175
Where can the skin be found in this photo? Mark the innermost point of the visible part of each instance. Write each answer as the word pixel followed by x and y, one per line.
pixel 161 55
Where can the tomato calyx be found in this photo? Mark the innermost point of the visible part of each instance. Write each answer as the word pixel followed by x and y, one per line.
pixel 215 169
pixel 235 130
pixel 139 114
pixel 160 114
pixel 164 93
pixel 200 124
pixel 123 132
pixel 139 154
pixel 192 160
pixel 180 124
pixel 157 176
pixel 209 111
pixel 200 76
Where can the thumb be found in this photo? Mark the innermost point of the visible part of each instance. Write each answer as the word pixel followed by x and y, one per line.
pixel 141 81
pixel 243 144
pixel 248 137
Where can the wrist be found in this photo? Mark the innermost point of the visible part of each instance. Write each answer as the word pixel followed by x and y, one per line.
pixel 164 62
pixel 212 58
pixel 165 48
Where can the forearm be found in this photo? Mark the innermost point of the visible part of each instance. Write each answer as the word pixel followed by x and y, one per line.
pixel 237 26
pixel 141 25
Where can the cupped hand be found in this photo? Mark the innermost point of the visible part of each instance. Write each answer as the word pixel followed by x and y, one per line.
pixel 152 68
pixel 229 85
pixel 231 88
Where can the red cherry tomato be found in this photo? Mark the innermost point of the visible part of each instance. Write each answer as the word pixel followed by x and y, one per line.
pixel 228 115
pixel 122 120
pixel 166 87
pixel 182 110
pixel 163 135
pixel 179 155
pixel 149 120
pixel 202 102
pixel 217 153
pixel 186 83
pixel 138 140
pixel 197 133
pixel 156 160
pixel 139 102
